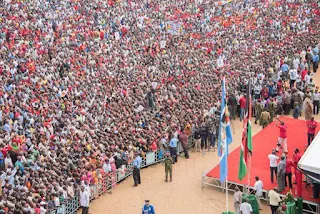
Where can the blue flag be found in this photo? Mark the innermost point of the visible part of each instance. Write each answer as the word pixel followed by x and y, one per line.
pixel 225 135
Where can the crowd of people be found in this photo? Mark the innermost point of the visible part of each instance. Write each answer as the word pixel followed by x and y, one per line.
pixel 86 84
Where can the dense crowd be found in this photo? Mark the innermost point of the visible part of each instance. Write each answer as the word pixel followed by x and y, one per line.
pixel 85 84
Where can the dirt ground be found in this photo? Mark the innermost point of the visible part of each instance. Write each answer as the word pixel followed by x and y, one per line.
pixel 182 196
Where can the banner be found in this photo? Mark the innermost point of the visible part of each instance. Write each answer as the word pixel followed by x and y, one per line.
pixel 150 158
pixel 122 173
pixel 174 27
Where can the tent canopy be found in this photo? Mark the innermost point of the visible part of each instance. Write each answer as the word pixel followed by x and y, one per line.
pixel 310 161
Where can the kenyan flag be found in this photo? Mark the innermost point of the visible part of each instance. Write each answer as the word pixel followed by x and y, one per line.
pixel 246 145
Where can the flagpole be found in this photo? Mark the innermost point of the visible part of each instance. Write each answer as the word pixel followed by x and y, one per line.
pixel 227 186
pixel 249 173
pixel 227 198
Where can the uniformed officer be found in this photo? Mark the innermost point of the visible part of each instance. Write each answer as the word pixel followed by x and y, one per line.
pixel 265 118
pixel 147 208
pixel 272 107
pixel 259 108
pixel 136 169
pixel 168 161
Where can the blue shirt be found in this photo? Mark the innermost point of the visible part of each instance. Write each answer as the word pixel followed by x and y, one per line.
pixel 148 209
pixel 11 115
pixel 20 166
pixel 8 88
pixel 285 68
pixel 7 128
pixel 137 162
pixel 270 87
pixel 1 158
pixel 173 142
pixel 315 58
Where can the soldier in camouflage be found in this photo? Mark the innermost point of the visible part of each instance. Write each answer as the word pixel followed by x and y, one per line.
pixel 258 108
pixel 272 107
pixel 265 118
pixel 168 166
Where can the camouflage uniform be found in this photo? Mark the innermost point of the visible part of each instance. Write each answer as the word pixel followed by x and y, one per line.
pixel 272 106
pixel 168 167
pixel 259 109
pixel 265 118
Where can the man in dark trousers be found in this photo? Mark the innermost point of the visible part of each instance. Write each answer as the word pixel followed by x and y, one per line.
pixel 197 137
pixel 136 169
pixel 242 102
pixel 204 137
pixel 232 104
pixel 316 101
pixel 183 139
pixel 84 200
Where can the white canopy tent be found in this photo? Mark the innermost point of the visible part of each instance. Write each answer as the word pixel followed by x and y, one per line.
pixel 310 161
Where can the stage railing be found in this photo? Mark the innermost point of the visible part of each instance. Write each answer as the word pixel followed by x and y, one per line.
pixel 109 181
pixel 308 206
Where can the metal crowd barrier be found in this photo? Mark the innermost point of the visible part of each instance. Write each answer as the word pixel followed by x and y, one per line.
pixel 109 181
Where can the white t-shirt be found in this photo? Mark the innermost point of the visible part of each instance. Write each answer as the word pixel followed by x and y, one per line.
pixel 303 55
pixel 245 208
pixel 293 74
pixel 273 160
pixel 307 78
pixel 258 186
pixel 296 63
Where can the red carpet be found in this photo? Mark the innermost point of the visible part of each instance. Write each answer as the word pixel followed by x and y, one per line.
pixel 263 142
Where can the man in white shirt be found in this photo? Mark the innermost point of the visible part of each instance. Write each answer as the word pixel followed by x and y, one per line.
pixel 42 208
pixel 245 207
pixel 258 186
pixel 308 77
pixel 296 63
pixel 84 201
pixel 293 77
pixel 274 200
pixel 303 54
pixel 273 164
pixel 316 101
pixel 86 186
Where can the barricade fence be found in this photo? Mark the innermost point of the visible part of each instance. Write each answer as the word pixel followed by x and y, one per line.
pixel 109 181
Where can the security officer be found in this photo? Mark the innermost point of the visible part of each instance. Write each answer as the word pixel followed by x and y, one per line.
pixel 136 169
pixel 168 161
pixel 265 118
pixel 147 208
pixel 272 107
pixel 259 108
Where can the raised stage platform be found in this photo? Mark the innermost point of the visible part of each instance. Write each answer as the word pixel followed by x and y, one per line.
pixel 263 143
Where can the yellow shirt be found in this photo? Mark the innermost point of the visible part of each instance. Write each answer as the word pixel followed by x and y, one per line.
pixel 274 198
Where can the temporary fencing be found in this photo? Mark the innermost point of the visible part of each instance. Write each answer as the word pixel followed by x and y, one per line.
pixel 109 181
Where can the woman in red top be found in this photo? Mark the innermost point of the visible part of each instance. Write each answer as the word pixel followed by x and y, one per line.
pixel 303 74
pixel 282 139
